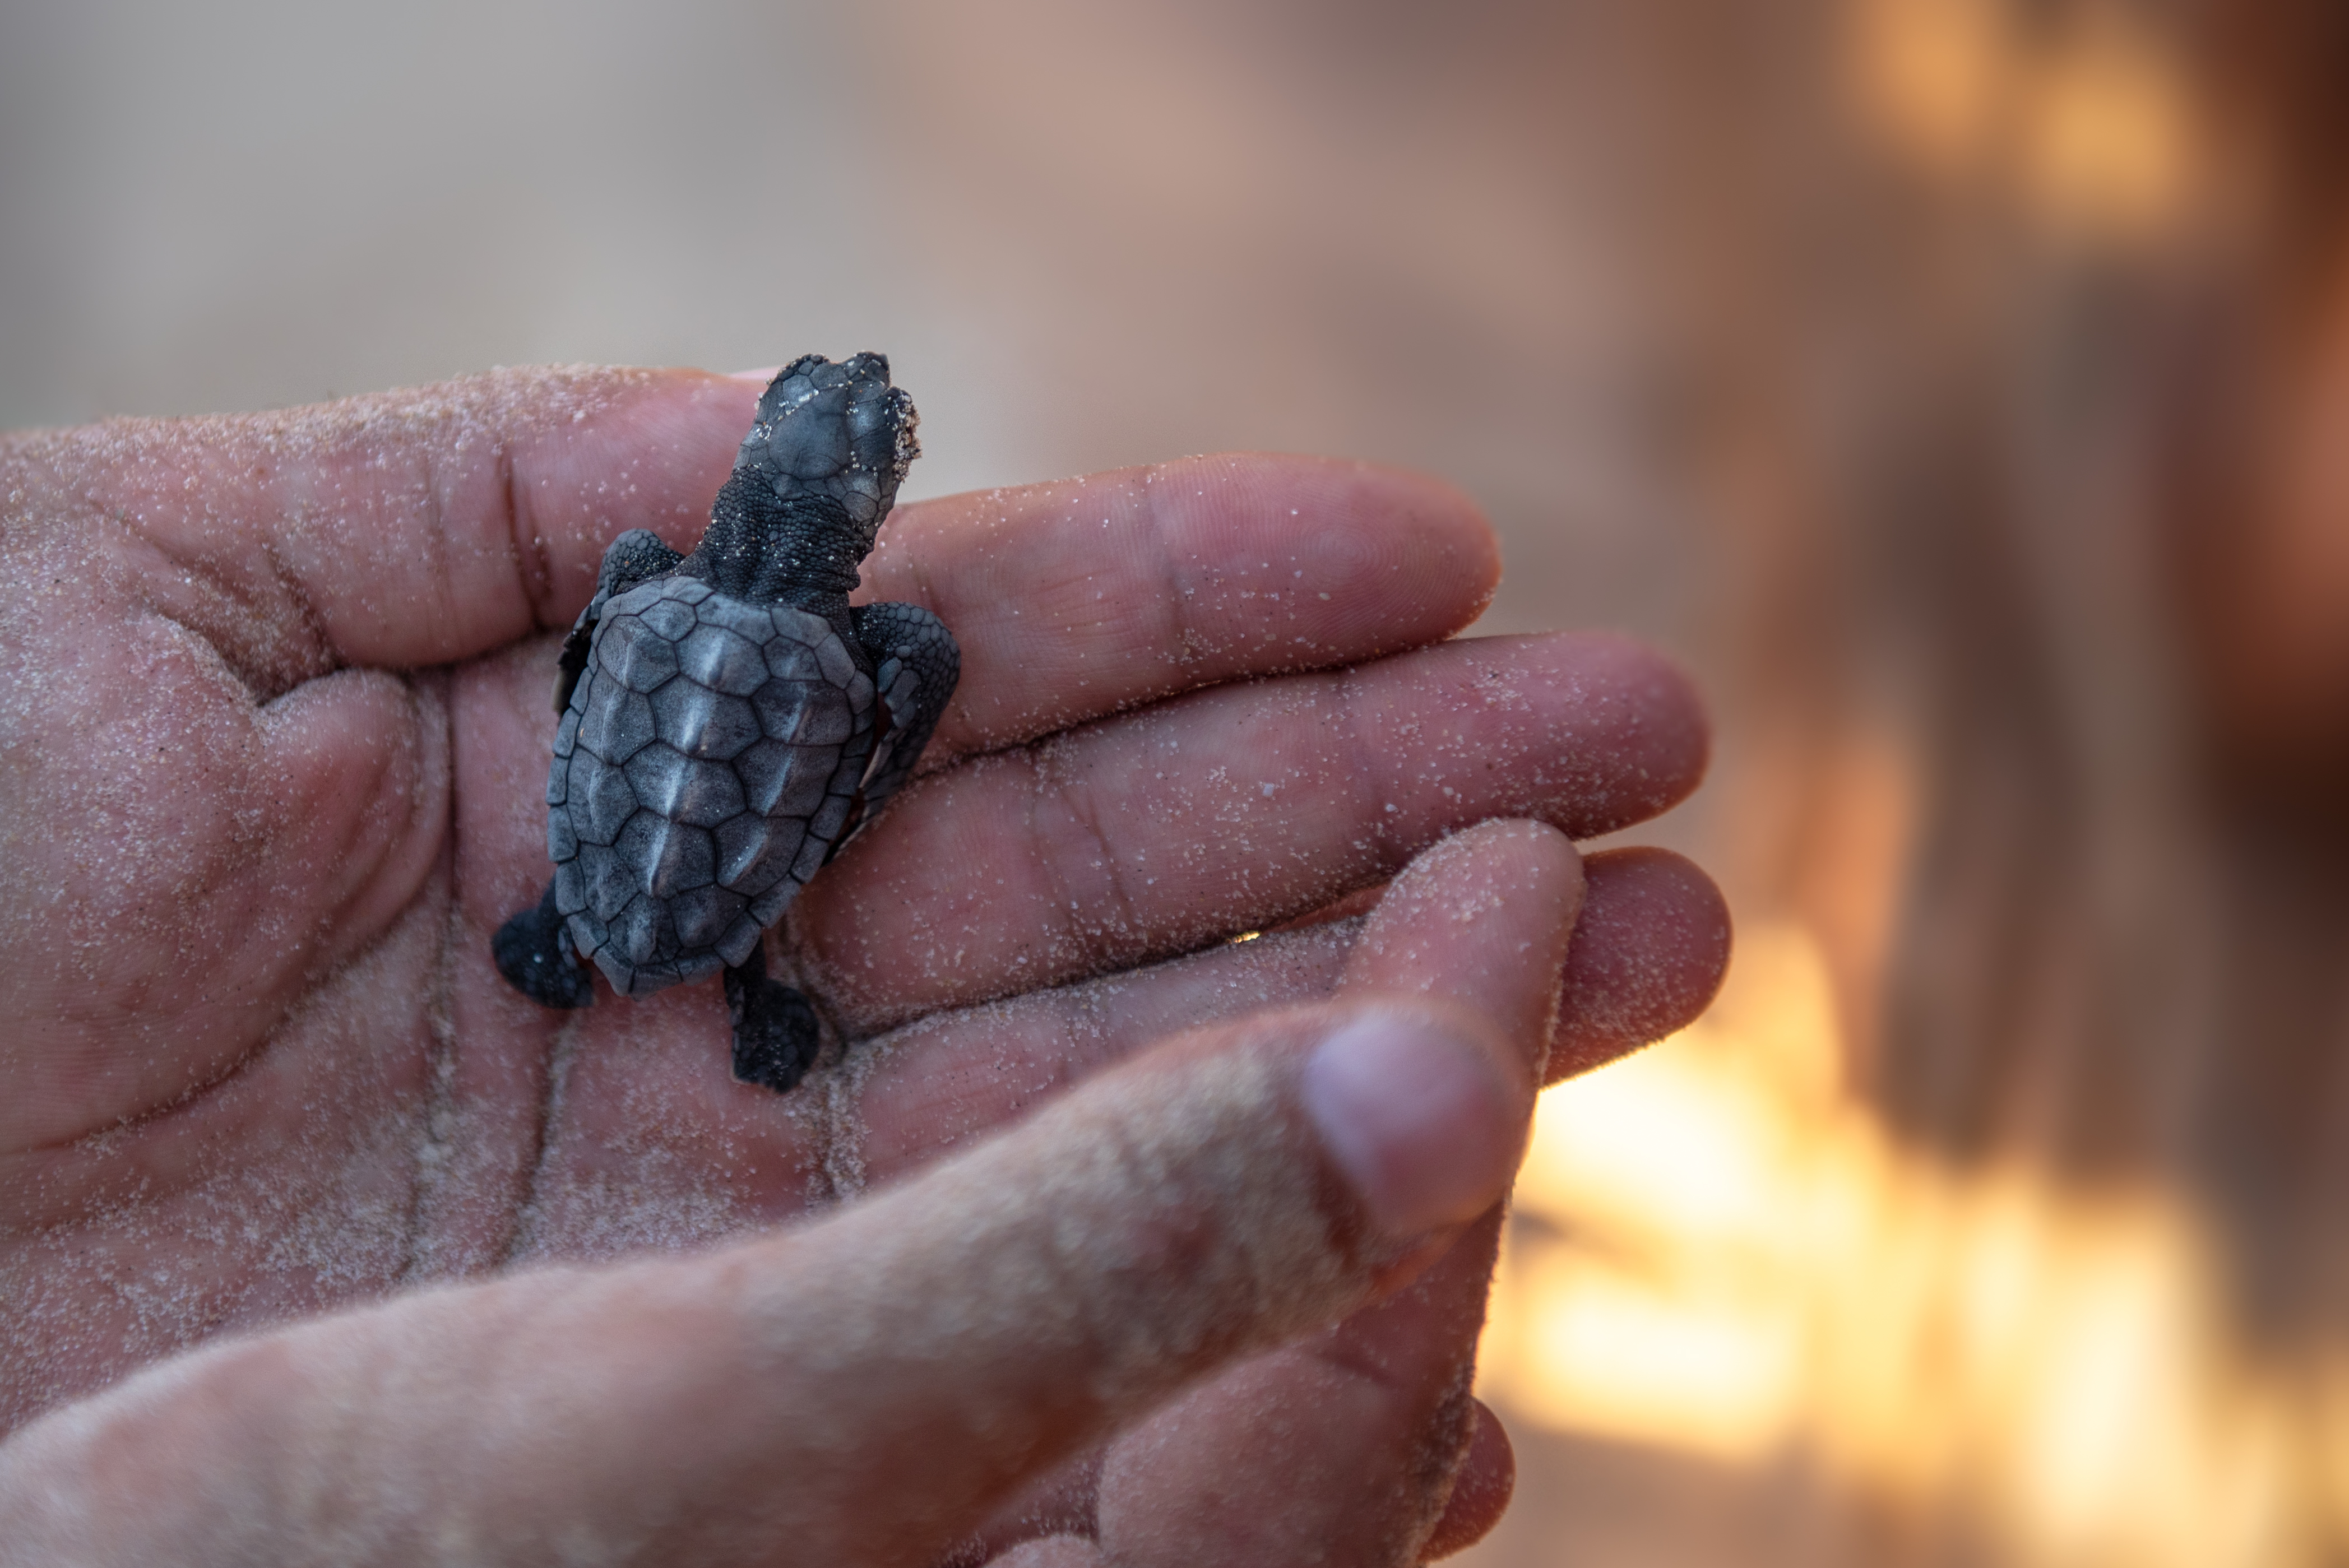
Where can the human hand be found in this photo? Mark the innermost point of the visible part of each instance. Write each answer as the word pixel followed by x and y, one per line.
pixel 261 1066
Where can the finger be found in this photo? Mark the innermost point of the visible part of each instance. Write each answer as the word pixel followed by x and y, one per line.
pixel 1080 598
pixel 1648 956
pixel 1341 1451
pixel 1635 970
pixel 1482 920
pixel 163 936
pixel 1345 1448
pixel 867 1389
pixel 405 528
pixel 427 525
pixel 1232 810
pixel 1481 1492
pixel 1051 1551
pixel 1432 932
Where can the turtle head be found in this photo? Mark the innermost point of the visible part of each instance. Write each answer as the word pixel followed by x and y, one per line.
pixel 833 433
pixel 813 480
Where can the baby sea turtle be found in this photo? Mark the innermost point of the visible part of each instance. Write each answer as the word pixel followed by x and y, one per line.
pixel 730 719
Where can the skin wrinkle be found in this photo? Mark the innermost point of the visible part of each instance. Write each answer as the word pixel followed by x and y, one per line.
pixel 1442 1452
pixel 315 655
pixel 418 830
pixel 1349 692
pixel 1180 631
pixel 439 1099
pixel 438 482
pixel 535 581
pixel 1064 787
pixel 836 1172
pixel 562 1051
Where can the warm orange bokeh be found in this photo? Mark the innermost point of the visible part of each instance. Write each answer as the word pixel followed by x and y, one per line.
pixel 1720 1251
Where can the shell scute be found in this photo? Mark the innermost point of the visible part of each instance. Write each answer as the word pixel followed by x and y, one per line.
pixel 631 652
pixel 609 885
pixel 741 937
pixel 709 793
pixel 832 657
pixel 785 842
pixel 800 626
pixel 618 722
pixel 789 782
pixel 656 775
pixel 636 932
pixel 703 723
pixel 609 802
pixel 721 659
pixel 705 914
pixel 789 661
pixel 667 616
pixel 687 860
pixel 570 885
pixel 740 841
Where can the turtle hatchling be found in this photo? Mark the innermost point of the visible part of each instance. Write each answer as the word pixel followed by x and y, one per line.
pixel 730 719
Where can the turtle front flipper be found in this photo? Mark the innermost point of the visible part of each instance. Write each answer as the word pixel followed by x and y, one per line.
pixel 775 1033
pixel 536 957
pixel 637 556
pixel 916 665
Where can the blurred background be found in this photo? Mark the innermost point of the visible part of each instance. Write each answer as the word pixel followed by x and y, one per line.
pixel 1961 386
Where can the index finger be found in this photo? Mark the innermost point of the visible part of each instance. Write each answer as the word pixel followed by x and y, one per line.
pixel 406 528
pixel 1079 598
pixel 432 524
pixel 865 1389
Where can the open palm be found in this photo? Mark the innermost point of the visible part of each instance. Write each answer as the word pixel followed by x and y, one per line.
pixel 275 739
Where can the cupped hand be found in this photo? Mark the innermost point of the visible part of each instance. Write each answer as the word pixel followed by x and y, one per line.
pixel 274 741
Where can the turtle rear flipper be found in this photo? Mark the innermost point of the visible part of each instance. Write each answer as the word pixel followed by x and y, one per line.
pixel 775 1033
pixel 536 959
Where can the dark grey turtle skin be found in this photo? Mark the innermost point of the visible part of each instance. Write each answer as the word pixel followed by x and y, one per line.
pixel 730 719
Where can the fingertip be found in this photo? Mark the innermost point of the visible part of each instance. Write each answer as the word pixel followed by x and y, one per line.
pixel 1647 957
pixel 1395 558
pixel 1481 918
pixel 1425 1124
pixel 1481 1492
pixel 1450 516
pixel 1645 709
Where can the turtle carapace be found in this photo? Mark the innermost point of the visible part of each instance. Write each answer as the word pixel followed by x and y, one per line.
pixel 729 719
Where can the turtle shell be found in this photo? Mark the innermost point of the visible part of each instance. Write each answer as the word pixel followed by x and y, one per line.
pixel 702 771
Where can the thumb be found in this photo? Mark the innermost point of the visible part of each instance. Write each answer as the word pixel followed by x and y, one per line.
pixel 865 1389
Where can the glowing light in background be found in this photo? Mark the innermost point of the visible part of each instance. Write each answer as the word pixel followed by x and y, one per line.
pixel 1720 1252
pixel 2087 121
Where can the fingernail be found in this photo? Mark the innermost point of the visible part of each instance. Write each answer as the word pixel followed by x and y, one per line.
pixel 1420 1122
pixel 761 377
